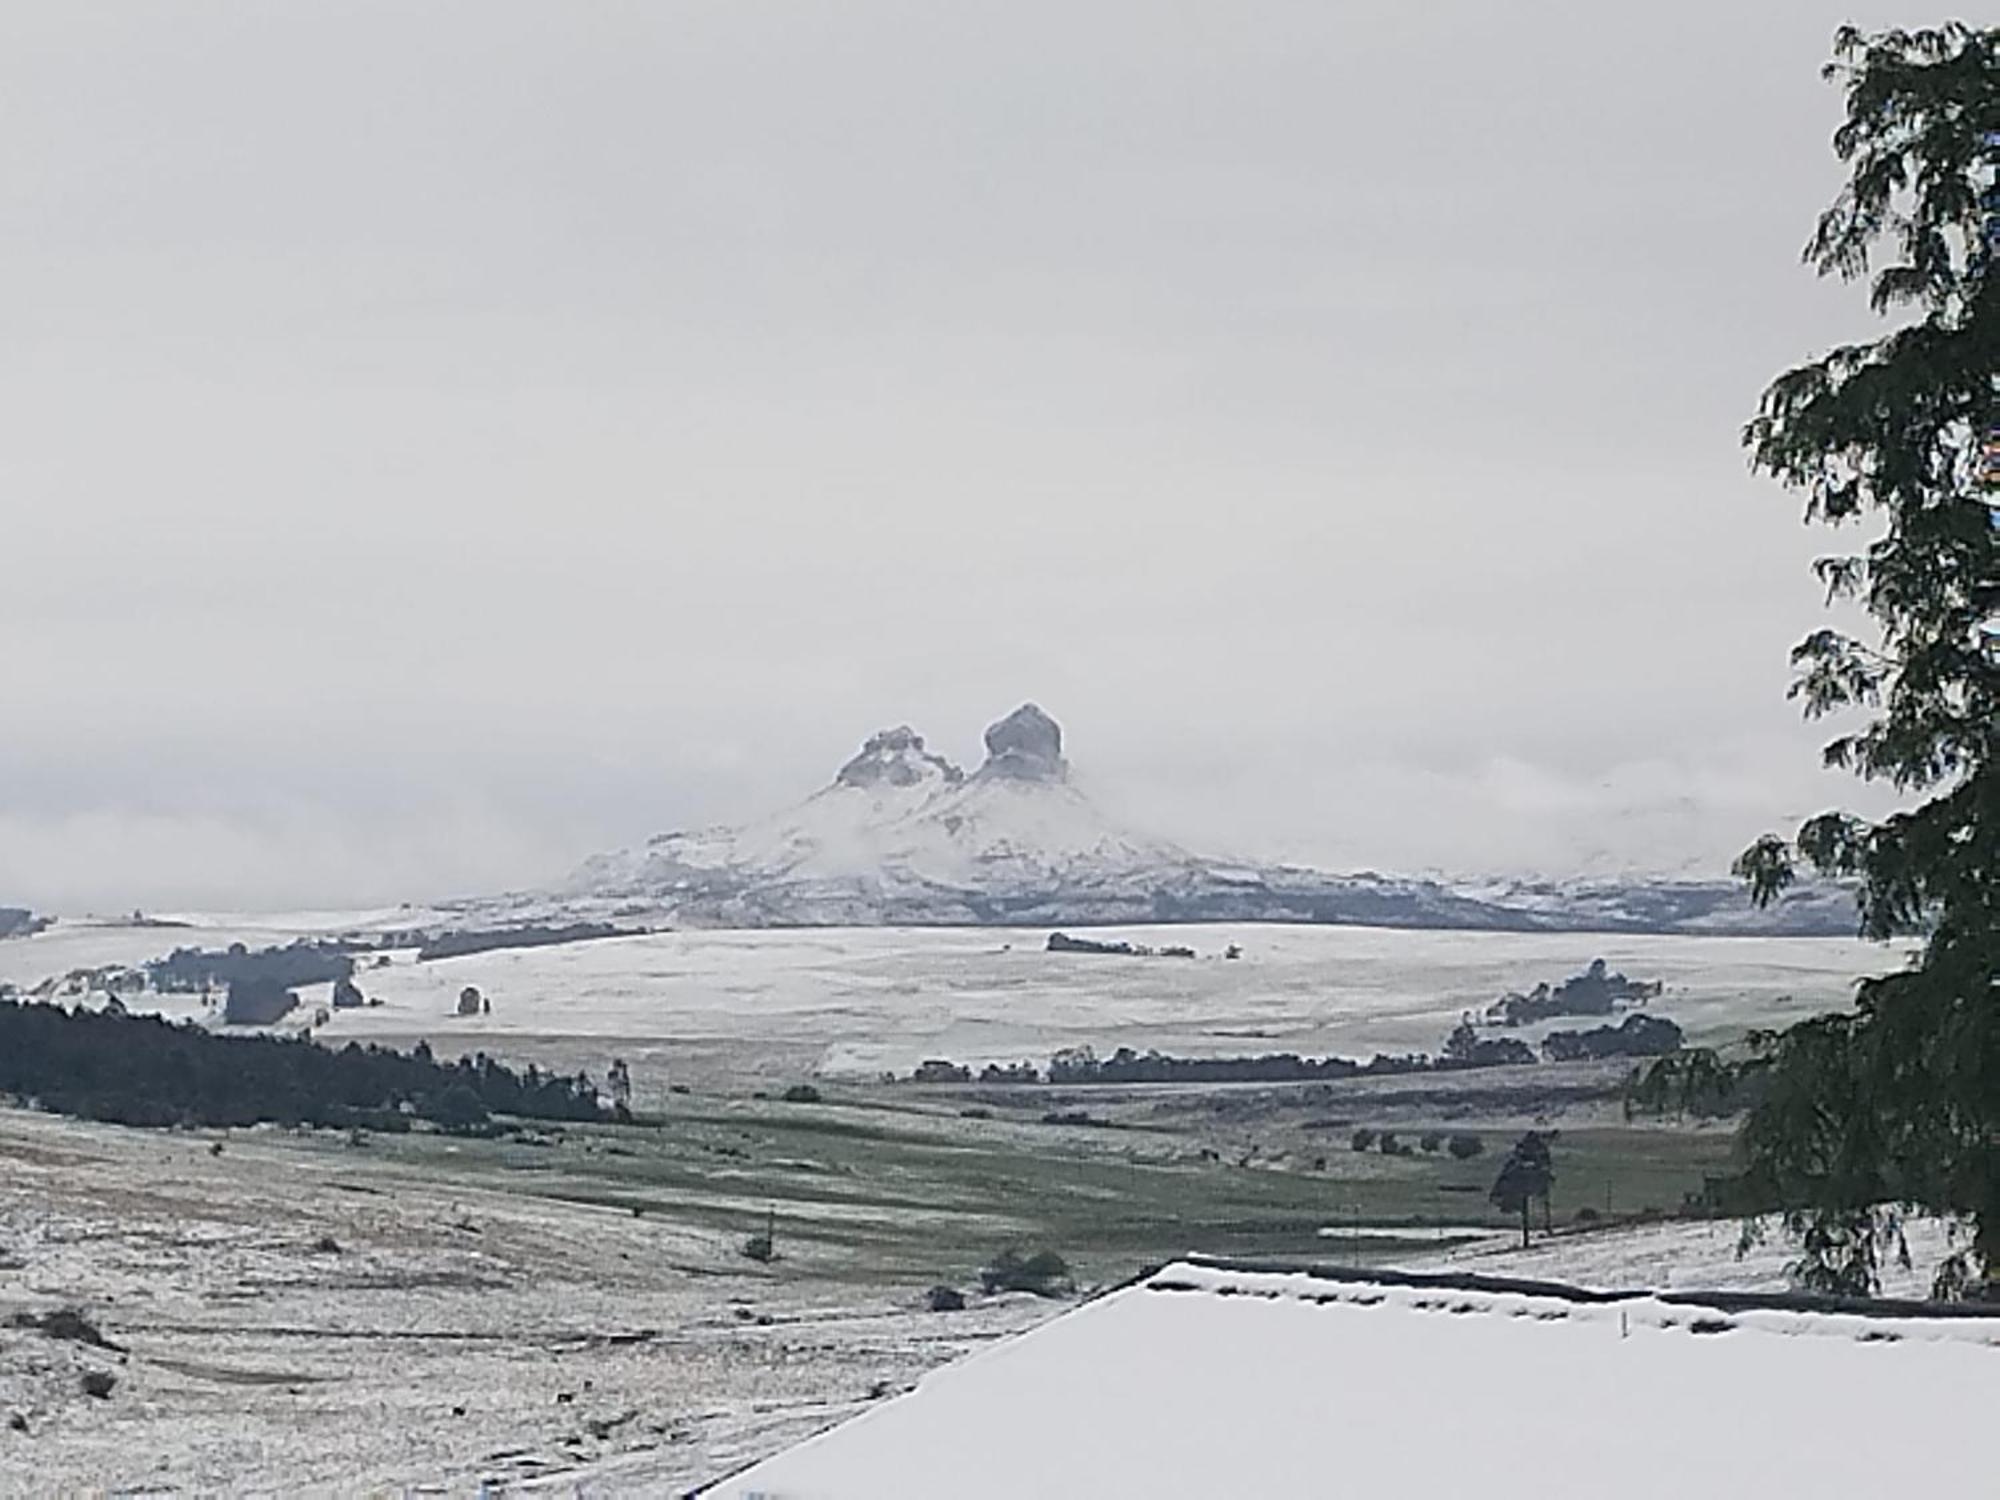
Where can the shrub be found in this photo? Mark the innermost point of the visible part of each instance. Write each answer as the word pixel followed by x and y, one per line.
pixel 1072 1117
pixel 800 1093
pixel 1044 1273
pixel 1465 1147
pixel 944 1298
pixel 1363 1139
pixel 1432 1140
pixel 1390 1146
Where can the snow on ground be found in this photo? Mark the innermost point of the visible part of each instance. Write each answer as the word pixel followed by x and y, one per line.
pixel 443 1333
pixel 1694 1256
pixel 95 942
pixel 862 1000
pixel 259 1363
pixel 1206 1381
pixel 873 999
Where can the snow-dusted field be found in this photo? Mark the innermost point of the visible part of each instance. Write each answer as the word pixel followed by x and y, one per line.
pixel 858 1001
pixel 578 1316
pixel 300 1319
pixel 1704 1255
pixel 92 942
pixel 299 1316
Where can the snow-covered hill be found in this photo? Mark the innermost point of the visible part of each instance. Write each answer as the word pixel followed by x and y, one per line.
pixel 901 836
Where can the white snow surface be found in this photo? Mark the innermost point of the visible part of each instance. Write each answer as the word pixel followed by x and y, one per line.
pixel 896 837
pixel 470 1336
pixel 1703 1255
pixel 93 942
pixel 1205 1381
pixel 862 1000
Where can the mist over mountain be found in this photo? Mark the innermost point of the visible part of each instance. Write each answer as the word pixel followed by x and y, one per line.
pixel 903 836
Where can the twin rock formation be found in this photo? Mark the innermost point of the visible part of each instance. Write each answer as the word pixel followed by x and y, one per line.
pixel 1024 746
pixel 903 837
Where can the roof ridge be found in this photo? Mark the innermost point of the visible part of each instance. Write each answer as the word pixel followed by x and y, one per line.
pixel 1474 1281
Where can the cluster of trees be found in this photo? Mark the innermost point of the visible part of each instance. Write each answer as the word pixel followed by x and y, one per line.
pixel 485 940
pixel 1082 1065
pixel 142 1070
pixel 1636 1036
pixel 188 971
pixel 1465 1048
pixel 1597 991
pixel 1062 942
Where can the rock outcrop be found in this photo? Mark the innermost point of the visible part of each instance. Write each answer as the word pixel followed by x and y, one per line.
pixel 1025 746
pixel 897 757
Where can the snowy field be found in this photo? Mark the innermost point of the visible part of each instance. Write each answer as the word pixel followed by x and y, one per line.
pixel 570 1311
pixel 94 942
pixel 1704 1255
pixel 859 1001
pixel 297 1315
pixel 297 1318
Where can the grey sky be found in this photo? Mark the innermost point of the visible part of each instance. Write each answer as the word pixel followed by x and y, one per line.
pixel 443 439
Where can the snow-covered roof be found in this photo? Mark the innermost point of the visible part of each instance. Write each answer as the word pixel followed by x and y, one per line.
pixel 1208 1378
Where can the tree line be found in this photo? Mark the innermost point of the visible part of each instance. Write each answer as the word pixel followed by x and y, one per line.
pixel 143 1070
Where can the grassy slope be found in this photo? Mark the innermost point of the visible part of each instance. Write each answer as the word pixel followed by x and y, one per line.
pixel 860 1189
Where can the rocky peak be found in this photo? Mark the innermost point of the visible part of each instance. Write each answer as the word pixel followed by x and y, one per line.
pixel 1025 746
pixel 896 757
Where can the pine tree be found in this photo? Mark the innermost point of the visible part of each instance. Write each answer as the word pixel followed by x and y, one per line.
pixel 1527 1174
pixel 1896 1106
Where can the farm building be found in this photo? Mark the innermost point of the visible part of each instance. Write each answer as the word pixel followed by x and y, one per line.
pixel 1209 1378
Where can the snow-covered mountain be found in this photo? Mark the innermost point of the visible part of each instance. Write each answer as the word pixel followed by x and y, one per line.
pixel 901 836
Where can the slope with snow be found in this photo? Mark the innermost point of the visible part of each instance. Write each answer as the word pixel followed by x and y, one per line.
pixel 1684 1255
pixel 903 837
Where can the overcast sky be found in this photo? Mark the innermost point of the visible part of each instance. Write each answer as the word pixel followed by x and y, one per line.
pixel 445 439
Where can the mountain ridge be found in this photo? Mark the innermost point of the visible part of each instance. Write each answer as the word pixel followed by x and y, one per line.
pixel 903 837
